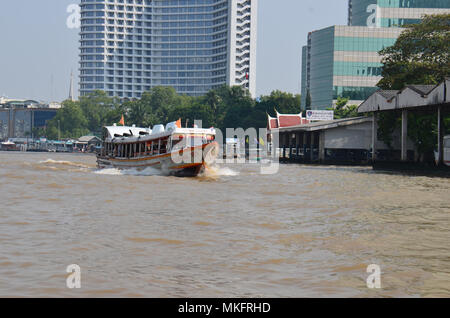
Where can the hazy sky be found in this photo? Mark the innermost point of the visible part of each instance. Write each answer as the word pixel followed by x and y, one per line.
pixel 38 51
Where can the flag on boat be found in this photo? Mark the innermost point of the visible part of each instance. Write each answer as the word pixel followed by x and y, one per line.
pixel 179 123
pixel 122 121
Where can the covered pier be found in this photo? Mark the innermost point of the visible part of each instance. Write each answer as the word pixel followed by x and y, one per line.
pixel 413 98
pixel 337 141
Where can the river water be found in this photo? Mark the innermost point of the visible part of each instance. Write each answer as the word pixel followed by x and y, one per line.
pixel 303 232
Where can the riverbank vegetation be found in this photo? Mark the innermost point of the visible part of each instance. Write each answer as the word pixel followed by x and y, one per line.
pixel 224 107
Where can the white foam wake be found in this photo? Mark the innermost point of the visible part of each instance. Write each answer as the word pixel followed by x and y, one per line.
pixel 215 171
pixel 64 163
pixel 149 171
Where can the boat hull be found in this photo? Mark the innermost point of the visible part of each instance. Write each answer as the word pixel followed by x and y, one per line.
pixel 187 162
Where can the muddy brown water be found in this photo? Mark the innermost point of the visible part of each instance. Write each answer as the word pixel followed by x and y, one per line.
pixel 303 232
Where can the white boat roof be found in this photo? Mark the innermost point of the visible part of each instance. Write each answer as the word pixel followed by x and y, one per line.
pixel 120 130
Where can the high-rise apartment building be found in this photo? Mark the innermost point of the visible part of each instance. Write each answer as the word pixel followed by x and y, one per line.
pixel 343 61
pixel 129 46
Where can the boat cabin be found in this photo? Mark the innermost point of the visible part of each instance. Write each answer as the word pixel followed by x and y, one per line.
pixel 132 142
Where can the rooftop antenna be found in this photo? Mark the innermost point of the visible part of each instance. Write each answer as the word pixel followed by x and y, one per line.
pixel 71 95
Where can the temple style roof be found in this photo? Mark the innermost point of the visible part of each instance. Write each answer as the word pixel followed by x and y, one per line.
pixel 285 120
pixel 323 125
pixel 272 123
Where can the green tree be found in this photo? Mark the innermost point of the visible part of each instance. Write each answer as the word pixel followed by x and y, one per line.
pixel 196 111
pixel 212 99
pixel 387 123
pixel 422 129
pixel 100 110
pixel 69 122
pixel 285 103
pixel 138 113
pixel 342 110
pixel 421 54
pixel 223 107
pixel 239 105
pixel 160 101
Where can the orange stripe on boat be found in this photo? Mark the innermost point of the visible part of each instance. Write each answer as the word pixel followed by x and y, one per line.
pixel 187 166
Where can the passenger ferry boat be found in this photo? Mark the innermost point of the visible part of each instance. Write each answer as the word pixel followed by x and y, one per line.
pixel 9 146
pixel 175 150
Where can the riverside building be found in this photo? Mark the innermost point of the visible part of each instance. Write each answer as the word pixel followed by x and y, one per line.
pixel 129 46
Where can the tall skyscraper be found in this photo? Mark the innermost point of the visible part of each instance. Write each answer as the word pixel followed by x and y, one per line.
pixel 343 61
pixel 129 46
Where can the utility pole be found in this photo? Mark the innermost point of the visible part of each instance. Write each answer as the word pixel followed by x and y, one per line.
pixel 59 131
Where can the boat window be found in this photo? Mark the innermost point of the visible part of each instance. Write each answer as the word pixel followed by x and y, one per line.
pixel 175 143
pixel 139 149
pixel 163 146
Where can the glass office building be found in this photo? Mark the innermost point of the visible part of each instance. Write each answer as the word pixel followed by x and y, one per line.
pixel 391 13
pixel 130 46
pixel 343 61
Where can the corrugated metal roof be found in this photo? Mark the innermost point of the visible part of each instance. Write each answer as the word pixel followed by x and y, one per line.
pixel 409 97
pixel 388 94
pixel 87 138
pixel 422 89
